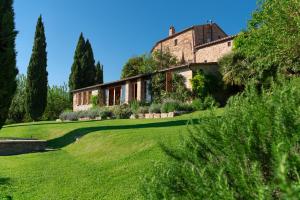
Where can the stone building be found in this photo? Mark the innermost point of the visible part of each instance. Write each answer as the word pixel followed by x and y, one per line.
pixel 197 47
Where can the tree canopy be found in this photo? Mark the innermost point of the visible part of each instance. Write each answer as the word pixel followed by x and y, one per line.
pixel 148 63
pixel 84 72
pixel 269 46
pixel 8 69
pixel 37 75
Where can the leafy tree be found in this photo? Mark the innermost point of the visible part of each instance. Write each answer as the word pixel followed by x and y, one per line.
pixel 37 81
pixel 148 63
pixel 75 80
pixel 164 59
pixel 8 69
pixel 88 70
pixel 58 100
pixel 269 46
pixel 133 67
pixel 99 73
pixel 17 110
pixel 235 69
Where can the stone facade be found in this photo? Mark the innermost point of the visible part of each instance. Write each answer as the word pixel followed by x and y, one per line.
pixel 214 51
pixel 183 45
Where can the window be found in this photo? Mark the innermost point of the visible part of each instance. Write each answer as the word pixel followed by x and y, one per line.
pixel 175 42
pixel 229 44
pixel 78 99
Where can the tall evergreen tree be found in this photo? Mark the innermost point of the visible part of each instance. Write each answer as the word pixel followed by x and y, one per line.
pixel 8 69
pixel 99 73
pixel 88 66
pixel 37 81
pixel 75 81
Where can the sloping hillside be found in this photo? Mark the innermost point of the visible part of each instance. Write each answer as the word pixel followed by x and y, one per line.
pixel 93 160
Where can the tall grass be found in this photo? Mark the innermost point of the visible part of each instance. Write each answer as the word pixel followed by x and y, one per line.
pixel 251 152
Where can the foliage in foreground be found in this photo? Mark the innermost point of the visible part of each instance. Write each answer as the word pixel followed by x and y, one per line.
pixel 251 152
pixel 8 69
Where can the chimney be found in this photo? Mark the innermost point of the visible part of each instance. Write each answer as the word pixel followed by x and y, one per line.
pixel 171 31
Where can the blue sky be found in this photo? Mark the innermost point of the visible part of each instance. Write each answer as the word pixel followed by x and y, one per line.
pixel 117 30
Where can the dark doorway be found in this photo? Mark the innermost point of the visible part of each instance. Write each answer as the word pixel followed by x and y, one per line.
pixel 111 97
pixel 117 95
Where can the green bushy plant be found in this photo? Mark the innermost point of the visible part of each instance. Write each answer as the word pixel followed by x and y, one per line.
pixel 197 104
pixel 143 109
pixel 250 152
pixel 170 105
pixel 155 108
pixel 209 101
pixel 104 113
pixel 69 115
pixel 122 111
pixel 186 107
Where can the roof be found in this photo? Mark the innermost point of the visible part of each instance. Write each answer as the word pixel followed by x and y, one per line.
pixel 142 75
pixel 216 42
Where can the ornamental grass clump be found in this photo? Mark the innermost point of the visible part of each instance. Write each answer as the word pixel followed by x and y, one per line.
pixel 68 116
pixel 170 105
pixel 250 152
pixel 155 108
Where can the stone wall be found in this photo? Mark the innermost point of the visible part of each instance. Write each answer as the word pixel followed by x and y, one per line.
pixel 14 147
pixel 212 53
pixel 187 74
pixel 184 46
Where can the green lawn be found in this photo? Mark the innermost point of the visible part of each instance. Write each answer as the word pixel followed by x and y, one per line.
pixel 106 162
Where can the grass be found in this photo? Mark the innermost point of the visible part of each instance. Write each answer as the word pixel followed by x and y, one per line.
pixel 106 162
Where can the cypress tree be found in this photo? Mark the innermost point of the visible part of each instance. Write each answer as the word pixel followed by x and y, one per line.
pixel 8 69
pixel 37 82
pixel 75 81
pixel 99 73
pixel 88 66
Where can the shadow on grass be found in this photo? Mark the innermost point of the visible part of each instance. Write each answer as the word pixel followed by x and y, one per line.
pixel 4 181
pixel 71 137
pixel 46 123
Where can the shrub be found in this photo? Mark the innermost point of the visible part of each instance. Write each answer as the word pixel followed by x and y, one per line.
pixel 186 107
pixel 69 116
pixel 92 113
pixel 104 114
pixel 170 106
pixel 134 106
pixel 250 152
pixel 198 84
pixel 122 111
pixel 155 108
pixel 197 104
pixel 143 109
pixel 209 101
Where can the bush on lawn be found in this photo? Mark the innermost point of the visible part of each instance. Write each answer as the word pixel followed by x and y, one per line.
pixel 186 107
pixel 122 111
pixel 104 113
pixel 170 105
pixel 208 102
pixel 143 109
pixel 155 108
pixel 69 116
pixel 251 152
